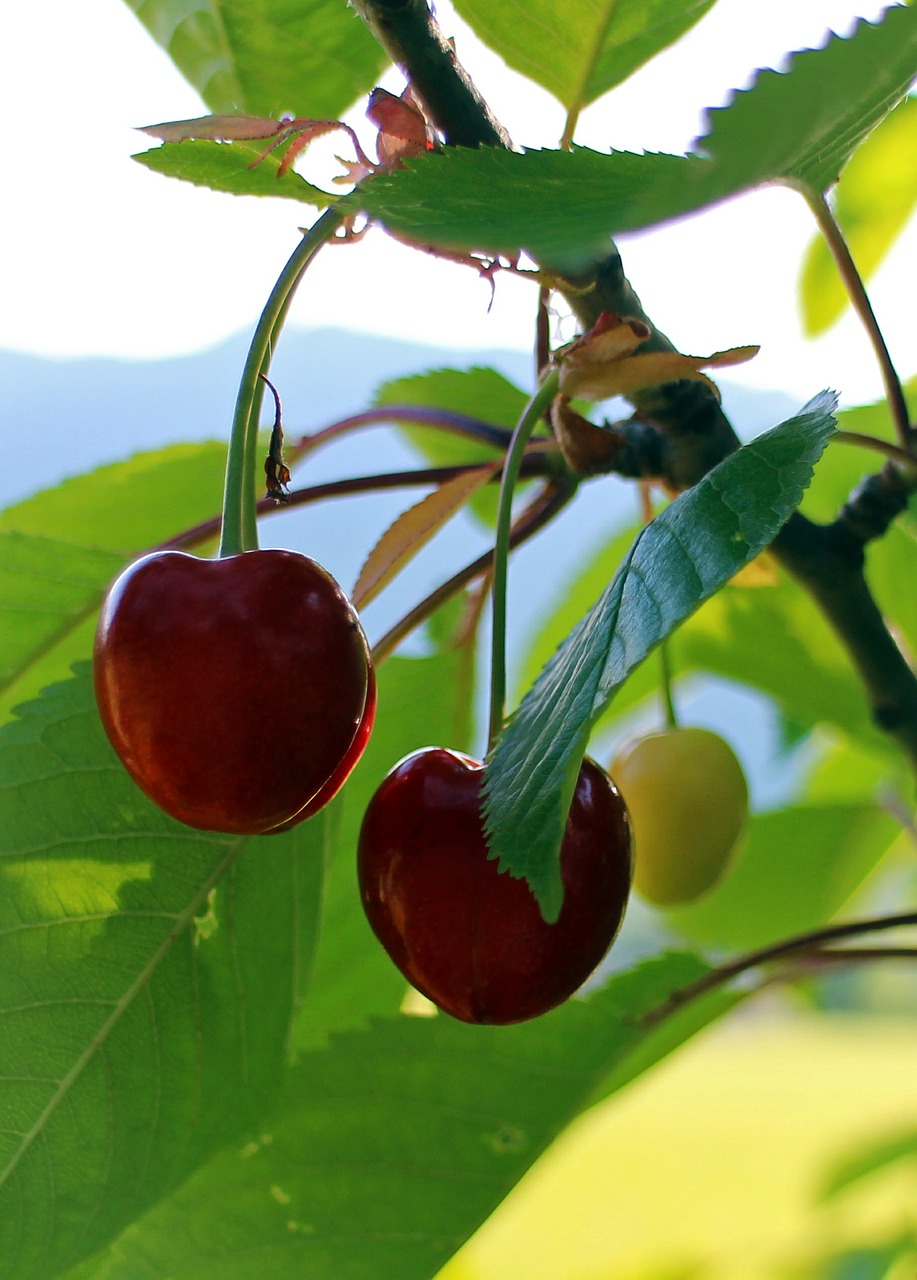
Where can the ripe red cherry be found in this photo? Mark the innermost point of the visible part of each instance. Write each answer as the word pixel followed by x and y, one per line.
pixel 469 938
pixel 235 691
pixel 344 769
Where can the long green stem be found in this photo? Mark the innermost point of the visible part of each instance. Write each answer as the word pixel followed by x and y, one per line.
pixel 665 663
pixel 527 423
pixel 859 299
pixel 239 529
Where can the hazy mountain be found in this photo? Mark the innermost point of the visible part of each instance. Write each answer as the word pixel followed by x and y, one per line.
pixel 61 417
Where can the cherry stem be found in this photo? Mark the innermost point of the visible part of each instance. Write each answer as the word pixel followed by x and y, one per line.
pixel 665 666
pixel 859 299
pixel 541 511
pixel 800 944
pixel 239 526
pixel 529 420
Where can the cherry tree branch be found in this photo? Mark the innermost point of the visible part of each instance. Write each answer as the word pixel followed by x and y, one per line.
pixel 693 433
pixel 801 944
pixel 536 463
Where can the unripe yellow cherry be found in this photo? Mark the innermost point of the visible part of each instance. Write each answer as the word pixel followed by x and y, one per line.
pixel 688 803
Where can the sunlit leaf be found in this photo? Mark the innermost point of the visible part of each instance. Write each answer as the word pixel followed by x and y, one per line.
pixel 267 57
pixel 414 529
pixel 680 559
pixel 478 393
pixel 794 871
pixel 145 1009
pixel 62 547
pixel 872 202
pixel 802 125
pixel 235 168
pixel 799 126
pixel 872 1156
pixel 578 52
pixel 391 1147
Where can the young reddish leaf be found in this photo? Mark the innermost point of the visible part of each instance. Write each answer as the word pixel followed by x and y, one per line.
pixel 414 529
pixel 227 128
pixel 403 129
pixel 606 362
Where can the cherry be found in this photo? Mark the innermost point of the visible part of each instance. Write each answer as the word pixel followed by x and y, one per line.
pixel 235 691
pixel 470 938
pixel 344 769
pixel 688 801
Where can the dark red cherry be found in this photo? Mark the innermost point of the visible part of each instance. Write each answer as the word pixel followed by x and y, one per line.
pixel 235 691
pixel 471 939
pixel 343 772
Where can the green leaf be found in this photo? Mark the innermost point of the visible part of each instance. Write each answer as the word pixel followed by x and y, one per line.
pixel 392 1146
pixel 872 203
pixel 46 586
pixel 265 57
pixel 60 549
pixel 578 52
pixel 560 206
pixel 794 871
pixel 420 704
pixel 876 1155
pixel 775 639
pixel 230 166
pixel 799 127
pixel 145 1009
pixel 680 559
pixel 478 393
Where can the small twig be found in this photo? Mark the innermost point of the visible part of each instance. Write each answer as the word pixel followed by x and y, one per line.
pixel 893 451
pixel 551 500
pixel 536 463
pixel 859 299
pixel 439 419
pixel 801 943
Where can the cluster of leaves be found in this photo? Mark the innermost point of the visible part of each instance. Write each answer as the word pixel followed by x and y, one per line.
pixel 174 1103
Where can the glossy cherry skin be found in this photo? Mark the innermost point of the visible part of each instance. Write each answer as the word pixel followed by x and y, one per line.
pixel 344 770
pixel 233 690
pixel 688 802
pixel 468 937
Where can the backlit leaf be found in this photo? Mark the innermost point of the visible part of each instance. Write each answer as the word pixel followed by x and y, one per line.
pixel 414 529
pixel 145 1010
pixel 677 561
pixel 62 547
pixel 390 1148
pixel 795 869
pixel 799 126
pixel 580 51
pixel 234 168
pixel 872 203
pixel 267 57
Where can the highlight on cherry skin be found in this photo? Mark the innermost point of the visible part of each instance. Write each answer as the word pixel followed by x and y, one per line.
pixel 470 938
pixel 688 801
pixel 237 692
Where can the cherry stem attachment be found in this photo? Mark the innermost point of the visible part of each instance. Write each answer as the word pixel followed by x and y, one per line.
pixel 859 299
pixel 529 420
pixel 799 945
pixel 239 526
